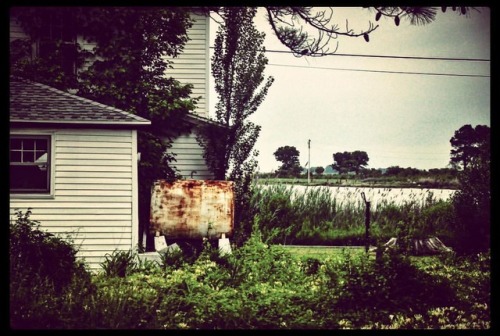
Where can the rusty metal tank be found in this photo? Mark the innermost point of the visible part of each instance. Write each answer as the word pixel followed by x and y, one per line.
pixel 192 209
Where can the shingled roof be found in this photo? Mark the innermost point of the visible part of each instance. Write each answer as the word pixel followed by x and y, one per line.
pixel 32 102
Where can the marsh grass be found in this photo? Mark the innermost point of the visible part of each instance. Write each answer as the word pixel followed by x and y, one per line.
pixel 321 216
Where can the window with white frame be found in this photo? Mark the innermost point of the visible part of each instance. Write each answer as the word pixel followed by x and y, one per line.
pixel 57 40
pixel 30 162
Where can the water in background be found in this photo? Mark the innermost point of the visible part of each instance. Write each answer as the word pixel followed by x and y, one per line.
pixel 377 195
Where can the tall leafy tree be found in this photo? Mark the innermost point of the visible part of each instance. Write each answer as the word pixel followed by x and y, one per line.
pixel 472 201
pixel 127 70
pixel 350 161
pixel 238 67
pixel 319 170
pixel 470 144
pixel 289 157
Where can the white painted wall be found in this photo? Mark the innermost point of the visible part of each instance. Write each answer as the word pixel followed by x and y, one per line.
pixel 16 32
pixel 193 64
pixel 189 156
pixel 94 190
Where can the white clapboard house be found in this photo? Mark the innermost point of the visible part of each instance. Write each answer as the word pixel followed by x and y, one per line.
pixel 74 161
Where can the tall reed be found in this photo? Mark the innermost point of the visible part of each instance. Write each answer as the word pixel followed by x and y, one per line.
pixel 323 215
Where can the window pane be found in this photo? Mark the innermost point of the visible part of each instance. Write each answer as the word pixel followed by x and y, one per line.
pixel 41 144
pixel 33 172
pixel 29 156
pixel 28 178
pixel 15 156
pixel 41 156
pixel 28 144
pixel 15 143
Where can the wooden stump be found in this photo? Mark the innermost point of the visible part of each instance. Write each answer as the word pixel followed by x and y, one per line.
pixel 426 246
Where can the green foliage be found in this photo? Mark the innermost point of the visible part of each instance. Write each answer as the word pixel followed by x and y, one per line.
pixel 119 263
pixel 470 144
pixel 469 278
pixel 350 161
pixel 172 259
pixel 436 219
pixel 261 286
pixel 48 69
pixel 238 64
pixel 289 157
pixel 35 254
pixel 319 170
pixel 473 210
pixel 318 216
pixel 356 284
pixel 43 268
pixel 472 201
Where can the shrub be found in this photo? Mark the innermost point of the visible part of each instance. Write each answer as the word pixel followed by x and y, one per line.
pixel 173 259
pixel 359 289
pixel 36 253
pixel 436 220
pixel 473 210
pixel 119 263
pixel 43 269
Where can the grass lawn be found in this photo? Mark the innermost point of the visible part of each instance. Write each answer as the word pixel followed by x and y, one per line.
pixel 323 252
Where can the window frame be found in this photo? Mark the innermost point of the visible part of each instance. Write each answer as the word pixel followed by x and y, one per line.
pixel 33 193
pixel 53 37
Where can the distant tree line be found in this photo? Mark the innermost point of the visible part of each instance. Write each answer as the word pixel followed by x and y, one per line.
pixel 469 146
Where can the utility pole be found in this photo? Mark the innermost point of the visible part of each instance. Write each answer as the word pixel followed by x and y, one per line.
pixel 309 161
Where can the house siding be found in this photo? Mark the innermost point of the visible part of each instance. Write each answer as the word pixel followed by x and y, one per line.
pixel 192 65
pixel 189 156
pixel 93 191
pixel 16 32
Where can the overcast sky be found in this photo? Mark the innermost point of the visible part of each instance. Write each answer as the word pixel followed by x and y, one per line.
pixel 403 120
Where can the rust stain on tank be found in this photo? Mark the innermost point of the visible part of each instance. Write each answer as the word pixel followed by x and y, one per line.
pixel 192 208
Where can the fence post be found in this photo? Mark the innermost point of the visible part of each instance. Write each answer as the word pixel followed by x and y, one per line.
pixel 367 222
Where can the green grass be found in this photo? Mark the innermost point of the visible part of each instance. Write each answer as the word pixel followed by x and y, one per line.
pixel 317 216
pixel 323 252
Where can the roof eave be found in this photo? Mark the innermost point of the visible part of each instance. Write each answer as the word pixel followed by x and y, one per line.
pixel 80 123
pixel 196 119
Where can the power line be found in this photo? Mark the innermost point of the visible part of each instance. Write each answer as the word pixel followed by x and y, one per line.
pixel 398 57
pixel 392 56
pixel 380 71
